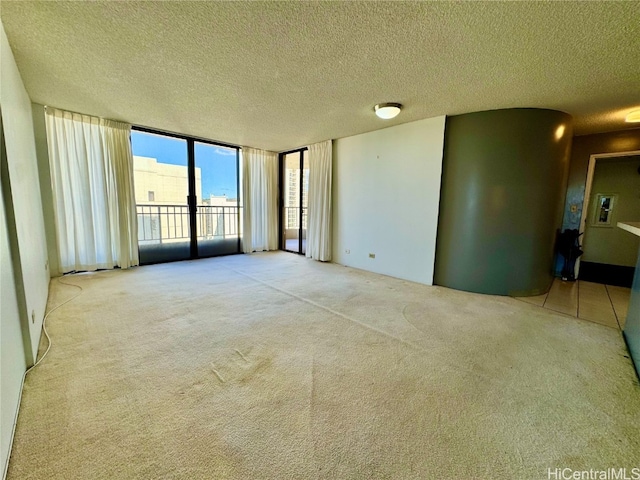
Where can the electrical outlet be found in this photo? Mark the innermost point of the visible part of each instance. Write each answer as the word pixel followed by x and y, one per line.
pixel 347 251
pixel 372 255
pixel 33 316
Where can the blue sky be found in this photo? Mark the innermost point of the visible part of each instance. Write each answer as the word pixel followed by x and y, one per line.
pixel 217 164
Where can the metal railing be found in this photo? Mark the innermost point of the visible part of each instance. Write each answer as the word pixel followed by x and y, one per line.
pixel 292 217
pixel 170 223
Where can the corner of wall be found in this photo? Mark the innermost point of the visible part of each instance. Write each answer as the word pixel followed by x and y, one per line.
pixel 46 190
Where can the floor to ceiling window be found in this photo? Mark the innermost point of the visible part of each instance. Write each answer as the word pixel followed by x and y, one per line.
pixel 294 185
pixel 187 197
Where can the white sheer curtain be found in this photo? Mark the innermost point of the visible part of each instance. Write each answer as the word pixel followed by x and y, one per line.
pixel 260 200
pixel 94 202
pixel 319 202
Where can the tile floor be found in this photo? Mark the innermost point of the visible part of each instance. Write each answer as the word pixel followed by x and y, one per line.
pixel 604 304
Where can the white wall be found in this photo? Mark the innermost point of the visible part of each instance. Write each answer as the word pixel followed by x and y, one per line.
pixel 22 163
pixel 12 356
pixel 386 191
pixel 25 278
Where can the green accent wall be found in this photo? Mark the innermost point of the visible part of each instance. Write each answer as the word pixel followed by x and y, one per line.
pixel 503 185
pixel 609 244
pixel 632 324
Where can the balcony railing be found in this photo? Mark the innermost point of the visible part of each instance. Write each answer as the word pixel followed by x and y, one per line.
pixel 292 217
pixel 170 223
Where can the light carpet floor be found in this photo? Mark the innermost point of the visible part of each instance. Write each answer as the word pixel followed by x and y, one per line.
pixel 272 366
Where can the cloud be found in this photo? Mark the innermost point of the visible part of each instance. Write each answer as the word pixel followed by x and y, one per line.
pixel 225 151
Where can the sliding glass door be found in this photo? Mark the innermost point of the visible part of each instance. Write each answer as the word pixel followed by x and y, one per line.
pixel 216 179
pixel 186 197
pixel 161 182
pixel 294 181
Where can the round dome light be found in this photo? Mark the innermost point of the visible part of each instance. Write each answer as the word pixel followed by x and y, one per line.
pixel 387 110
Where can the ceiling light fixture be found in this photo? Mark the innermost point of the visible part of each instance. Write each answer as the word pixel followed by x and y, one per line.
pixel 387 110
pixel 633 117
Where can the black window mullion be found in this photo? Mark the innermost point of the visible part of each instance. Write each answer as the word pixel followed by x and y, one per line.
pixel 301 195
pixel 192 200
pixel 238 199
pixel 281 225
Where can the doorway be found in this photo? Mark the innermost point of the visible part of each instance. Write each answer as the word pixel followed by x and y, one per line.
pixel 613 181
pixel 294 181
pixel 186 193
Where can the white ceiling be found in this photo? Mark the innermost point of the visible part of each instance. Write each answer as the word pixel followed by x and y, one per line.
pixel 278 75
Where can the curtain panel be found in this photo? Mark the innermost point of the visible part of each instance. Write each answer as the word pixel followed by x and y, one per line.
pixel 93 193
pixel 259 200
pixel 319 202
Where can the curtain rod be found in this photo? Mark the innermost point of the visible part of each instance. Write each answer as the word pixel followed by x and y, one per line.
pixel 85 114
pixel 158 131
pixel 149 129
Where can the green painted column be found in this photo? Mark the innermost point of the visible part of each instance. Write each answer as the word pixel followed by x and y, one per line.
pixel 503 185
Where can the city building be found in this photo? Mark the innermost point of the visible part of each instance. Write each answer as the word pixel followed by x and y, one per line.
pixel 163 212
pixel 162 183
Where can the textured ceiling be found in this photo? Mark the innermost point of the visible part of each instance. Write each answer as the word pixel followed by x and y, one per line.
pixel 278 75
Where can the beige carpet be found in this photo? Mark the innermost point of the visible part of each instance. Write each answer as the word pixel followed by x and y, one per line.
pixel 273 366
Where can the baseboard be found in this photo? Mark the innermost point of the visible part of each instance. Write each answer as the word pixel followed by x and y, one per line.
pixel 608 274
pixel 13 429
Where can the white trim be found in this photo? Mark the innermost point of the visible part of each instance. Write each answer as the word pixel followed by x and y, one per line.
pixel 587 190
pixel 632 227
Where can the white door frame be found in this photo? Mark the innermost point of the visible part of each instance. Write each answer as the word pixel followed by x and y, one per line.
pixel 587 190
